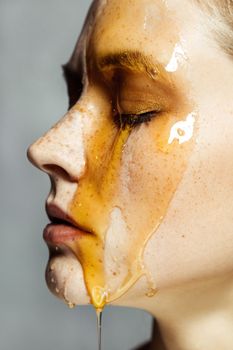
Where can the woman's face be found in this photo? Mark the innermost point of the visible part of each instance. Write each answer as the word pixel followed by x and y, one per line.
pixel 141 164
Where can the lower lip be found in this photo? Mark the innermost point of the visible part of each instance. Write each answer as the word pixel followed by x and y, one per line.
pixel 59 234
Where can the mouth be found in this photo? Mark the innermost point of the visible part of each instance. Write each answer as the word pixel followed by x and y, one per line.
pixel 62 228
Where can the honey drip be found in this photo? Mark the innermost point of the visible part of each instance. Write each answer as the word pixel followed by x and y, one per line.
pixel 99 327
pixel 155 172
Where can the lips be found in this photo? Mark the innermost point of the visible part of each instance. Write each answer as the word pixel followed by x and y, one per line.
pixel 59 234
pixel 62 229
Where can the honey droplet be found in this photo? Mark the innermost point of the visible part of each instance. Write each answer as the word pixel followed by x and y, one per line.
pixel 151 292
pixel 180 132
pixel 70 305
pixel 99 297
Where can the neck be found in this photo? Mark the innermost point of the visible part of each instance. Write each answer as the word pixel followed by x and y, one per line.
pixel 197 316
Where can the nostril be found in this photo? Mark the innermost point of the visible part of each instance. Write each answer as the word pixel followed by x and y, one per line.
pixel 52 169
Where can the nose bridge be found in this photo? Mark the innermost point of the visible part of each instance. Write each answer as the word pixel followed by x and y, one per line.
pixel 61 147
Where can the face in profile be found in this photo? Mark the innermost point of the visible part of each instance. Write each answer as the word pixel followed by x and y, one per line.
pixel 139 165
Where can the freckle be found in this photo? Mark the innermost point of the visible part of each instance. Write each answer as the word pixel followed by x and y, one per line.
pixel 183 236
pixel 39 142
pixel 81 109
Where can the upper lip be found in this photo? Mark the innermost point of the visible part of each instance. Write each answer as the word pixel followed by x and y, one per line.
pixel 57 216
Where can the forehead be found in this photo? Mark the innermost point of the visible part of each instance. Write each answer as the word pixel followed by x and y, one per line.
pixel 145 25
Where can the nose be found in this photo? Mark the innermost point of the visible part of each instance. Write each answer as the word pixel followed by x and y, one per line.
pixel 61 150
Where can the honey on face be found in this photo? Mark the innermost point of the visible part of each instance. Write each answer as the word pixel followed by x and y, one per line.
pixel 135 169
pixel 91 207
pixel 155 172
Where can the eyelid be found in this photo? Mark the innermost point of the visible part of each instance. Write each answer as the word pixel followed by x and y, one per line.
pixel 132 120
pixel 136 93
pixel 136 109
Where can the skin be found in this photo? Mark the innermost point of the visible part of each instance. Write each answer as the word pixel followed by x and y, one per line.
pixel 188 257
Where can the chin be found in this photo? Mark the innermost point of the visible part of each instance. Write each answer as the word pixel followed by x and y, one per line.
pixel 64 277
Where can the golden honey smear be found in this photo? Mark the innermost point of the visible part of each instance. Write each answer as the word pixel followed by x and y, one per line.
pixel 91 207
pixel 154 176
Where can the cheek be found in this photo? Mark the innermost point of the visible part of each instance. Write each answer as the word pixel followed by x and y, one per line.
pixel 136 171
pixel 152 169
pixel 194 242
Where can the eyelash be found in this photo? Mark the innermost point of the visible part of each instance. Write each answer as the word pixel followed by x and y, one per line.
pixel 133 120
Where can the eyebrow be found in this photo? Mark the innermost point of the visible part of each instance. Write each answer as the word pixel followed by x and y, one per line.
pixel 132 60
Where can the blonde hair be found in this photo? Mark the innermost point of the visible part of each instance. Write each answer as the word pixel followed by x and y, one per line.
pixel 220 18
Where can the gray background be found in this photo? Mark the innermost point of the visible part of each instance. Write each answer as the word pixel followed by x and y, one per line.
pixel 36 37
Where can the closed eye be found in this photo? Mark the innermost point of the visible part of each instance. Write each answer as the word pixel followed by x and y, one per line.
pixel 133 120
